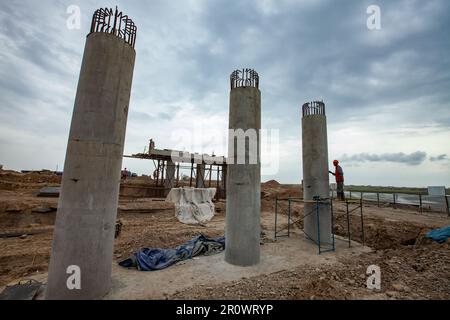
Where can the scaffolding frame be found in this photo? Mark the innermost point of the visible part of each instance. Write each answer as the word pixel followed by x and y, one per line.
pixel 214 174
pixel 318 202
pixel 359 205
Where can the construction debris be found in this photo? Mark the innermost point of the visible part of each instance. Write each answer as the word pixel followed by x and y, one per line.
pixel 24 290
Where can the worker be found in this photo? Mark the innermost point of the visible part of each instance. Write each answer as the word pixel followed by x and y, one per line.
pixel 124 173
pixel 339 174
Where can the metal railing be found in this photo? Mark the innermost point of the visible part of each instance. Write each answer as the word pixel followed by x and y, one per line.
pixel 423 202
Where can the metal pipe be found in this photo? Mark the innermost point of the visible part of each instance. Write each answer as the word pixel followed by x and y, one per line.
pixel 362 223
pixel 276 216
pixel 420 203
pixel 348 226
pixel 446 201
pixel 289 217
pixel 318 226
pixel 332 224
pixel 192 173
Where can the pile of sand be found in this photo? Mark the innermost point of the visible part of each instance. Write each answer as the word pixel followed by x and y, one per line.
pixel 273 188
pixel 12 180
pixel 271 184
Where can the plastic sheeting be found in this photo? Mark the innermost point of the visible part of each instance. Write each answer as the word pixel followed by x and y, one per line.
pixel 193 205
pixel 439 235
pixel 156 259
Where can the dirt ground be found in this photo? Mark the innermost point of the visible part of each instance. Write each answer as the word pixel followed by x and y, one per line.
pixel 412 267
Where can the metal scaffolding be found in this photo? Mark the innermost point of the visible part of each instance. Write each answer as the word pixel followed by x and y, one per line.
pixel 286 231
pixel 317 203
pixel 212 175
pixel 359 205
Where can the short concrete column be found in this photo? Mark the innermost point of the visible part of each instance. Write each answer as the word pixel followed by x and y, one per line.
pixel 83 239
pixel 200 176
pixel 244 171
pixel 315 171
pixel 169 181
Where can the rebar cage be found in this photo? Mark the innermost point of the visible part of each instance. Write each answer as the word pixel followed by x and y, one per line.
pixel 244 78
pixel 313 108
pixel 114 22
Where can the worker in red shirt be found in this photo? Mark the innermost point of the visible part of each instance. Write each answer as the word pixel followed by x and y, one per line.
pixel 339 174
pixel 124 174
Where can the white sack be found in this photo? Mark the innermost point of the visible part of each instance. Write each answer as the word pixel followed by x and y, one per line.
pixel 193 205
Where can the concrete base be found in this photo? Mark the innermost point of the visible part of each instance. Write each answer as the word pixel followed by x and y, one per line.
pixel 312 226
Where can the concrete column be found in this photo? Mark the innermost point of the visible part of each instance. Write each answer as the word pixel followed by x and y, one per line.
pixel 223 178
pixel 244 173
pixel 87 209
pixel 169 182
pixel 315 171
pixel 200 176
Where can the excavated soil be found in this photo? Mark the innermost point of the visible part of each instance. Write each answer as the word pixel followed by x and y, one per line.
pixel 412 267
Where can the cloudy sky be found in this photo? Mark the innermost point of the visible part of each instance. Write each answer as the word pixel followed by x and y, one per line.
pixel 387 91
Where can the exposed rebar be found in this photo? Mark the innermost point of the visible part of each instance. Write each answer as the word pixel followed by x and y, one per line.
pixel 244 78
pixel 313 108
pixel 114 22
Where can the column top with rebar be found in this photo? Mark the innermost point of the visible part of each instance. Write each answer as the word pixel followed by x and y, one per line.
pixel 244 78
pixel 313 108
pixel 116 23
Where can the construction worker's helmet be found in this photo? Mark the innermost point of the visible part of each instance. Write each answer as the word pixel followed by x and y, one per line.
pixel 335 162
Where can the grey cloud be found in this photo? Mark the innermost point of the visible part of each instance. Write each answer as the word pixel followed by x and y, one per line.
pixel 415 158
pixel 440 157
pixel 148 117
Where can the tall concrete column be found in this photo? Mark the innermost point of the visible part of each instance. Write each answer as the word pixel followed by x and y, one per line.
pixel 315 171
pixel 83 239
pixel 200 176
pixel 243 211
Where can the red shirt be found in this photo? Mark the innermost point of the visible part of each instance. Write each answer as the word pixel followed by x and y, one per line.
pixel 339 173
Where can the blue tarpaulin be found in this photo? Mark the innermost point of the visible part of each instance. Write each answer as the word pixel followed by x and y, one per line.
pixel 439 235
pixel 150 259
